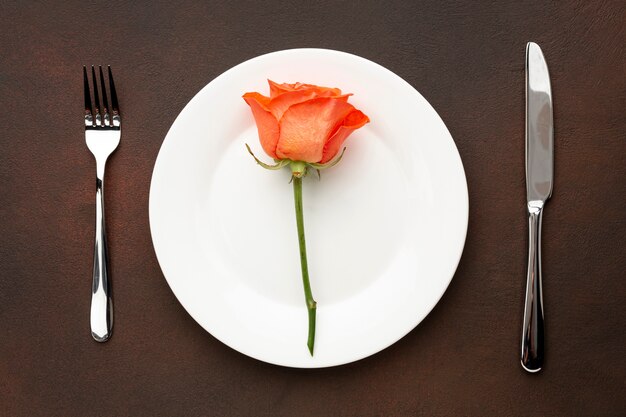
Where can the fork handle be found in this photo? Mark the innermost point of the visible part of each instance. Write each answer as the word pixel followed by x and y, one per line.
pixel 101 303
pixel 533 328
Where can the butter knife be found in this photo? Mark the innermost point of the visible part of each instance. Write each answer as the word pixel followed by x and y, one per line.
pixel 539 179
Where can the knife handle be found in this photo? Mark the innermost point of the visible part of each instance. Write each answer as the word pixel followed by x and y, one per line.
pixel 532 331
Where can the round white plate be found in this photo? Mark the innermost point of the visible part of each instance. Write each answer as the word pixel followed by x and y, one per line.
pixel 385 228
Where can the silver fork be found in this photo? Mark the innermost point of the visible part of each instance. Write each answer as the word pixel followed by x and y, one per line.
pixel 102 134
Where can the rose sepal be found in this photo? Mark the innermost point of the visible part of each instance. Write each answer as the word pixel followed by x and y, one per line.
pixel 280 163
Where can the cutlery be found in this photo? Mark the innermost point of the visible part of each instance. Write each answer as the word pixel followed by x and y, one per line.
pixel 102 134
pixel 539 179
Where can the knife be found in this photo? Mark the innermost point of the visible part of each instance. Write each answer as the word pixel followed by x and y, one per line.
pixel 539 179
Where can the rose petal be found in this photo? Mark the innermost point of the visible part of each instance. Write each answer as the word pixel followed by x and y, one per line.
pixel 278 89
pixel 267 124
pixel 306 127
pixel 353 121
pixel 258 97
pixel 279 104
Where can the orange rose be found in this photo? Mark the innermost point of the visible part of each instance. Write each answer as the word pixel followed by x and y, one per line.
pixel 301 126
pixel 303 122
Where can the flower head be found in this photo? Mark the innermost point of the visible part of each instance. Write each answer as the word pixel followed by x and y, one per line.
pixel 304 122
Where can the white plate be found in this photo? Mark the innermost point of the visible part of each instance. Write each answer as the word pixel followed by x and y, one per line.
pixel 385 228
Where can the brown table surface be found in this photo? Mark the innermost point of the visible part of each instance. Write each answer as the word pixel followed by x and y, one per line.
pixel 466 58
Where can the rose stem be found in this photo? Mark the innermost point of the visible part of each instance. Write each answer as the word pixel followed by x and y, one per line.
pixel 311 305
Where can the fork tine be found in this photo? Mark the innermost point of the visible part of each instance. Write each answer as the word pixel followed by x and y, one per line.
pixel 105 103
pixel 96 96
pixel 88 109
pixel 87 94
pixel 115 110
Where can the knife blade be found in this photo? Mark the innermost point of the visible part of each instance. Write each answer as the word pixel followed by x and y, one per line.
pixel 539 126
pixel 539 184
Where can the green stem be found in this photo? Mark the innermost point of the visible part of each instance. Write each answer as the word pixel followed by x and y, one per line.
pixel 311 305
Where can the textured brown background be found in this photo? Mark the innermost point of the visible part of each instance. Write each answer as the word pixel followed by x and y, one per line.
pixel 467 59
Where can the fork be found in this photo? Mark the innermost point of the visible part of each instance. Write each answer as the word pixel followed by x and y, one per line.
pixel 102 134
